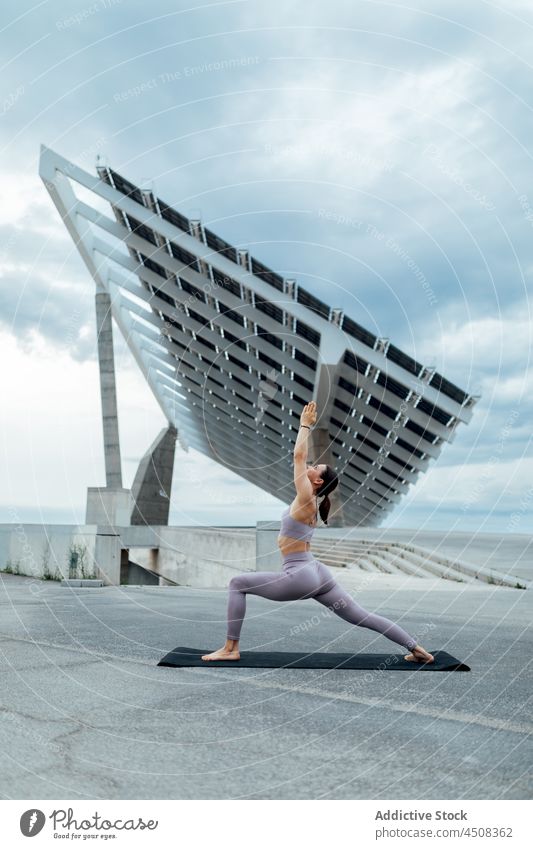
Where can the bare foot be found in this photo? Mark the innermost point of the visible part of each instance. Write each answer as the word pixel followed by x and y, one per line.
pixel 419 655
pixel 223 654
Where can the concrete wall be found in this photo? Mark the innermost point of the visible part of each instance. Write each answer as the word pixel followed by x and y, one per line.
pixel 206 556
pixel 60 551
pixel 198 556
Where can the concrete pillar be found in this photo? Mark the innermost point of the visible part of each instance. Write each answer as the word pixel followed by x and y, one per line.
pixel 320 452
pixel 108 391
pixel 108 506
pixel 151 488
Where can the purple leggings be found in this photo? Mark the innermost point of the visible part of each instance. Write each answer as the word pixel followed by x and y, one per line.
pixel 303 576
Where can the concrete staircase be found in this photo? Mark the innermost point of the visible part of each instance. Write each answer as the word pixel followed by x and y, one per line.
pixel 395 558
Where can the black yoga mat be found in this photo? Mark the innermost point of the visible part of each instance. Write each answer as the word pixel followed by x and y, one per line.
pixel 185 656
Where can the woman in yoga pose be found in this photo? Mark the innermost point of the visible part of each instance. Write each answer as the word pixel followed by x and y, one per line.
pixel 302 576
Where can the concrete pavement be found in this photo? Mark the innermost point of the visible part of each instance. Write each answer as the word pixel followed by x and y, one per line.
pixel 86 713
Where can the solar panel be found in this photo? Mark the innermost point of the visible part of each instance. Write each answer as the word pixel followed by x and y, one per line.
pixel 401 463
pixel 300 401
pixel 192 290
pixel 231 314
pixel 356 362
pixel 338 424
pixel 127 188
pixel 382 407
pixel 206 342
pixel 396 476
pixel 393 353
pixel 174 323
pixel 219 245
pixel 226 282
pixel 346 385
pixel 358 332
pixel 409 448
pixel 139 229
pixel 154 266
pixel 179 253
pixel 174 217
pixel 266 274
pixel 392 385
pixel 374 425
pixel 342 406
pixel 449 389
pixel 197 317
pixel 303 358
pixel 271 339
pixel 379 494
pixel 269 361
pixel 435 412
pixel 306 332
pixel 420 431
pixel 237 362
pixel 163 296
pixel 303 382
pixel 268 308
pixel 368 444
pixel 234 339
pixel 315 304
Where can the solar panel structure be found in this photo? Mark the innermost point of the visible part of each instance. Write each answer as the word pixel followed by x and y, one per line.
pixel 232 351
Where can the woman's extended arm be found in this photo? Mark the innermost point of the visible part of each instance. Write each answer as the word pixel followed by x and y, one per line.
pixel 307 418
pixel 301 444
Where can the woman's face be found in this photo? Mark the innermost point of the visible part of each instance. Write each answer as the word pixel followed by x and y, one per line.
pixel 315 472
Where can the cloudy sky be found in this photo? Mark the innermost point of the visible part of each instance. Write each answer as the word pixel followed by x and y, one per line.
pixel 379 152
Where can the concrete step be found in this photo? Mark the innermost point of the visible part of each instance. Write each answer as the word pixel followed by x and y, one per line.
pixel 391 561
pixel 405 566
pixel 365 565
pixel 429 564
pixel 367 559
pixel 414 560
pixel 411 564
pixel 470 570
pixel 376 557
pixel 332 559
pixel 335 557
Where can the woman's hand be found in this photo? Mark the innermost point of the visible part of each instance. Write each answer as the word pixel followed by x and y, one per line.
pixel 308 416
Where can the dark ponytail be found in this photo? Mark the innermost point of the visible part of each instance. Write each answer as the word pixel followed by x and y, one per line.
pixel 330 483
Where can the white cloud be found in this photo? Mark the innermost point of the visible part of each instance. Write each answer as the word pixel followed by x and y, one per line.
pixel 499 346
pixel 495 484
pixel 26 206
pixel 341 121
pixel 358 123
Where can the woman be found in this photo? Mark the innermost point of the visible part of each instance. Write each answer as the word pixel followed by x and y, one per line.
pixel 302 576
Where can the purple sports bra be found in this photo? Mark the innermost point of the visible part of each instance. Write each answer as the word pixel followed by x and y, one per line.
pixel 294 529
